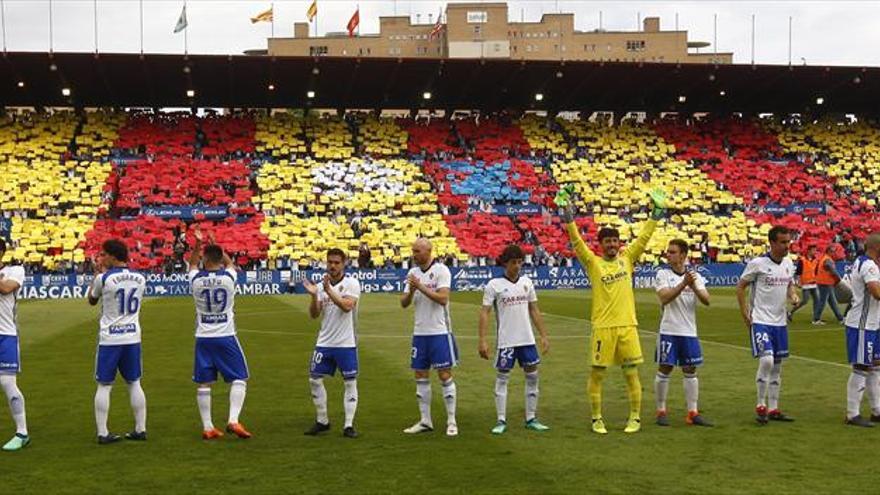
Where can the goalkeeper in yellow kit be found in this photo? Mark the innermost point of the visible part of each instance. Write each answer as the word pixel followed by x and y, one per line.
pixel 615 336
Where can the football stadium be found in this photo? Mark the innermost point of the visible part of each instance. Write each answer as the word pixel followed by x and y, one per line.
pixel 193 244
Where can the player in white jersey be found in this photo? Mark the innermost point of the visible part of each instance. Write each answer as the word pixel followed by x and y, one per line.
pixel 862 322
pixel 11 280
pixel 770 279
pixel 678 288
pixel 217 346
pixel 336 302
pixel 433 345
pixel 514 300
pixel 120 292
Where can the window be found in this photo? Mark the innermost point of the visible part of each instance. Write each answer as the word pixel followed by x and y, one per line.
pixel 478 31
pixel 590 48
pixel 317 51
pixel 422 50
pixel 394 50
pixel 635 45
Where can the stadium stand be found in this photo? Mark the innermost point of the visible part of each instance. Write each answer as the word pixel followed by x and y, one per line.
pixel 748 160
pixel 149 198
pixel 50 195
pixel 285 187
pixel 311 204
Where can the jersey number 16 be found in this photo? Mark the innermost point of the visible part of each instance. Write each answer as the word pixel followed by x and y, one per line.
pixel 129 305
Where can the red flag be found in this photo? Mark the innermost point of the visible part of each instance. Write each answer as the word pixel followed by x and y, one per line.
pixel 354 21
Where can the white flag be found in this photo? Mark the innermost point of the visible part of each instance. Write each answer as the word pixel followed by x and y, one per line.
pixel 181 21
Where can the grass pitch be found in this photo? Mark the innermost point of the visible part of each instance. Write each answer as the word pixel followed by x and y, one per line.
pixel 817 453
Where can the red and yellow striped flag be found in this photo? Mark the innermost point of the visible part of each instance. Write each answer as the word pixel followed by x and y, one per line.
pixel 313 10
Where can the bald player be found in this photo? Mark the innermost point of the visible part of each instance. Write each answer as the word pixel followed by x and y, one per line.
pixel 862 322
pixel 433 345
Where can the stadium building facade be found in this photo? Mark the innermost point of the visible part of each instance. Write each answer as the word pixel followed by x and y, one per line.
pixel 483 30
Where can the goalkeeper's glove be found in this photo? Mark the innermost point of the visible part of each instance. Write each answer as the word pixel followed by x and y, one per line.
pixel 563 200
pixel 658 198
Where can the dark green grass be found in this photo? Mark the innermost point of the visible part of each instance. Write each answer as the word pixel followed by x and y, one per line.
pixel 815 454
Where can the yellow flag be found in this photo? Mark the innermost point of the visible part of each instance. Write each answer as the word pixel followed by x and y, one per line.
pixel 313 10
pixel 263 16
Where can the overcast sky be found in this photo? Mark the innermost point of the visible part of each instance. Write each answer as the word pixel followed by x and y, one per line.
pixel 832 33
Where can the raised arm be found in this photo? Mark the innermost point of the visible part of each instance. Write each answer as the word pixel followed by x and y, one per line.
pixel 634 251
pixel 584 254
pixel 195 256
pixel 658 210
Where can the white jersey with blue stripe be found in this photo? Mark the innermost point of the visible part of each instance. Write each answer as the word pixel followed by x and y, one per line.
pixel 431 318
pixel 121 292
pixel 770 281
pixel 214 294
pixel 678 316
pixel 864 313
pixel 9 302
pixel 338 328
pixel 511 299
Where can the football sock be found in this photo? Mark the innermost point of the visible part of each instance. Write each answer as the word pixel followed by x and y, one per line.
pixel 661 389
pixel 237 392
pixel 16 403
pixel 691 391
pixel 102 408
pixel 855 389
pixel 423 394
pixel 531 395
pixel 319 397
pixel 762 378
pixel 203 398
pixel 595 389
pixel 872 389
pixel 449 397
pixel 351 401
pixel 501 381
pixel 633 391
pixel 775 386
pixel 138 402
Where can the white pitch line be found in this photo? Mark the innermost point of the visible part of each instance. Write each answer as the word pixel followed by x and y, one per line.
pixel 587 323
pixel 557 337
pixel 386 336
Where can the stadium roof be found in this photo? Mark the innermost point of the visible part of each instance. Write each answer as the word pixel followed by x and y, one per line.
pixel 31 79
